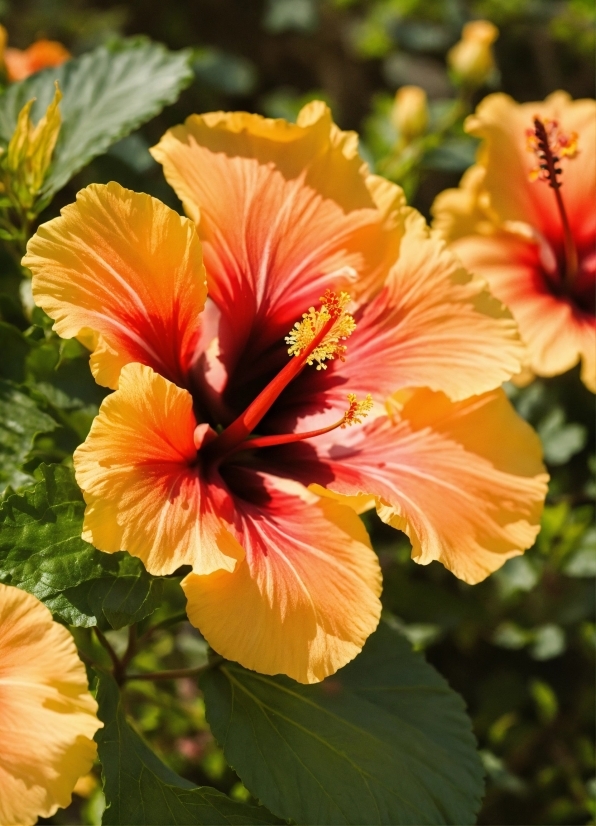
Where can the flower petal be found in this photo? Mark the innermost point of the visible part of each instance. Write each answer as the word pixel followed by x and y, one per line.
pixel 144 493
pixel 304 599
pixel 123 273
pixel 465 481
pixel 284 211
pixel 433 325
pixel 47 715
pixel 556 332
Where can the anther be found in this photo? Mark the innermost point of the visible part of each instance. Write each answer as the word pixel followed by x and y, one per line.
pixel 332 317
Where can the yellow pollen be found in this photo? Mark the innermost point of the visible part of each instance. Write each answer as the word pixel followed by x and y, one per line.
pixel 357 410
pixel 552 140
pixel 304 332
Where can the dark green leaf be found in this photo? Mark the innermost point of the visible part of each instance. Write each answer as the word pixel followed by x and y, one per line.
pixel 41 551
pixel 108 93
pixel 140 790
pixel 383 741
pixel 14 348
pixel 20 421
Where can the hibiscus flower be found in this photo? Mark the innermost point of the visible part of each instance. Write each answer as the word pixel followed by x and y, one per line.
pixel 322 300
pixel 47 715
pixel 524 219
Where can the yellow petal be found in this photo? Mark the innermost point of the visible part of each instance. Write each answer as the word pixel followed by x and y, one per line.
pixel 464 480
pixel 473 496
pixel 144 492
pixel 123 273
pixel 304 599
pixel 47 715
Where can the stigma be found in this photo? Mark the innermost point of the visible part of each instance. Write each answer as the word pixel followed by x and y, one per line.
pixel 549 144
pixel 325 328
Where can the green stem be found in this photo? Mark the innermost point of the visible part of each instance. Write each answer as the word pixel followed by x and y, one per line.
pixel 174 674
pixel 117 672
pixel 173 620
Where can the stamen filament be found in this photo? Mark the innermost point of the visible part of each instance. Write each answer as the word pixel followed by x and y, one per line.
pixel 356 411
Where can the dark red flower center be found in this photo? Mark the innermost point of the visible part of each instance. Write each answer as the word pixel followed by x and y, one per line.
pixel 316 339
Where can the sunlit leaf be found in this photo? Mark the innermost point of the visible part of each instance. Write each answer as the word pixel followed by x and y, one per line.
pixel 41 551
pixel 385 741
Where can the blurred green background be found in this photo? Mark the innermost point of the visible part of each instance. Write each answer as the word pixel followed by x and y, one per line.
pixel 519 647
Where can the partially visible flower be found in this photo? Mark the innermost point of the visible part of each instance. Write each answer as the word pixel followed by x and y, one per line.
pixel 227 444
pixel 524 218
pixel 20 63
pixel 24 165
pixel 47 715
pixel 471 60
pixel 410 112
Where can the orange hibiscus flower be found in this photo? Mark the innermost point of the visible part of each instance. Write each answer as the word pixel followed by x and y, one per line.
pixel 47 715
pixel 225 446
pixel 524 218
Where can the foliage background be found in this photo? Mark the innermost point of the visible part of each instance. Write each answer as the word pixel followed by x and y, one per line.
pixel 519 647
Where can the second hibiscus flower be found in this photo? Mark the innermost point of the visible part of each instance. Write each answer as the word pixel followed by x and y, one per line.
pixel 322 303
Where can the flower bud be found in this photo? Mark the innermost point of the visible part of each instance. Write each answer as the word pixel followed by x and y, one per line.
pixel 471 59
pixel 25 164
pixel 410 112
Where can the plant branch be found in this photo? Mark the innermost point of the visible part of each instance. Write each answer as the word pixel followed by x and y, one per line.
pixel 159 626
pixel 176 673
pixel 117 664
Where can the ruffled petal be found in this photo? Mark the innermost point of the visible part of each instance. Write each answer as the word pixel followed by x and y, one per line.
pixel 144 491
pixel 464 480
pixel 433 325
pixel 47 715
pixel 556 332
pixel 123 273
pixel 284 212
pixel 304 599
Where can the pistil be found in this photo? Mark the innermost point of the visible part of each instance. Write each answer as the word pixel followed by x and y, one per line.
pixel 317 338
pixel 550 145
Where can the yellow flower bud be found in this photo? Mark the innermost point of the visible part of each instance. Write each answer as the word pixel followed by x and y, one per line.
pixel 29 152
pixel 471 59
pixel 410 112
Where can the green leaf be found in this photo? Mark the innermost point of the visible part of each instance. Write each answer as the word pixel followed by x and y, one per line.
pixel 15 348
pixel 41 549
pixel 107 93
pixel 42 552
pixel 141 790
pixel 20 421
pixel 384 741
